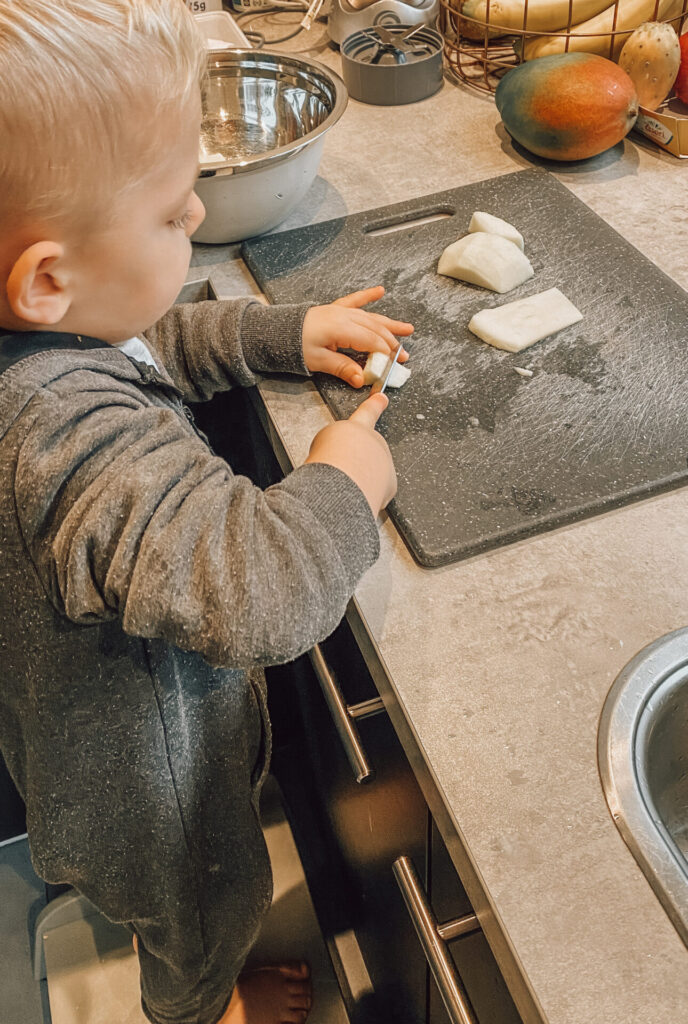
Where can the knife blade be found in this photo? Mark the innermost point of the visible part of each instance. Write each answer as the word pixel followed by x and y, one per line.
pixel 382 382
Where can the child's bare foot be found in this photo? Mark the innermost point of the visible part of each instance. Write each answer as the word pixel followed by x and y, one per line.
pixel 268 995
pixel 271 995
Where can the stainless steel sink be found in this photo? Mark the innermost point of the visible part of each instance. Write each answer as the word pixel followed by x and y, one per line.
pixel 643 760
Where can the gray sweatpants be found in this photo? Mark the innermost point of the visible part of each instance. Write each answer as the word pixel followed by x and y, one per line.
pixel 163 833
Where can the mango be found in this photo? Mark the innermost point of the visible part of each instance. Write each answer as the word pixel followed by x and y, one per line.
pixel 569 106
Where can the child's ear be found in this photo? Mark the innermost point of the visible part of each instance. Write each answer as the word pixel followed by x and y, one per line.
pixel 37 287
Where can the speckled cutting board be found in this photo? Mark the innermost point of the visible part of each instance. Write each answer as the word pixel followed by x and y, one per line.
pixel 485 456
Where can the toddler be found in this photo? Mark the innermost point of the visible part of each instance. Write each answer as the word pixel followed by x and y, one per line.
pixel 142 584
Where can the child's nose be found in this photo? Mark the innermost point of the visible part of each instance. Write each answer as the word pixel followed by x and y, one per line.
pixel 197 214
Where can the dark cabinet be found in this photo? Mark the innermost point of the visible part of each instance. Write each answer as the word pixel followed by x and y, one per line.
pixel 471 954
pixel 372 825
pixel 12 812
pixel 350 835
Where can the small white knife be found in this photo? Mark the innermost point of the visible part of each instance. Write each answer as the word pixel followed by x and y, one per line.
pixel 382 382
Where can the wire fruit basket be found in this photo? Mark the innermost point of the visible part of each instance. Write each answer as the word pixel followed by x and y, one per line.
pixel 483 39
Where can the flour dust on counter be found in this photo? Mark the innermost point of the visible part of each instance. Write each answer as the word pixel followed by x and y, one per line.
pixel 597 419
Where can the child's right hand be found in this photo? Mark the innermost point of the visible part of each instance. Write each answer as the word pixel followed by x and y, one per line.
pixel 355 447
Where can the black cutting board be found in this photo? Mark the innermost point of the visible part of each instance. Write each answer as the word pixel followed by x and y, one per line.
pixel 483 455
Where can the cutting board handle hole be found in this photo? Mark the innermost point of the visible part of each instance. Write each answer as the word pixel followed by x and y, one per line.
pixel 415 220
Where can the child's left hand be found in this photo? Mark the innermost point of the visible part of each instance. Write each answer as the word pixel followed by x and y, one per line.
pixel 343 324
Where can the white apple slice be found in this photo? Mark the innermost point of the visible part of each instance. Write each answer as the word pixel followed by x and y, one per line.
pixel 495 226
pixel 376 367
pixel 487 260
pixel 517 325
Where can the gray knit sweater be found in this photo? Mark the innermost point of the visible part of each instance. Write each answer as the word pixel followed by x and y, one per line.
pixel 119 526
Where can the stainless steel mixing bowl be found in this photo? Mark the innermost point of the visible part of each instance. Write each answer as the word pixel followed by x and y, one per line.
pixel 265 116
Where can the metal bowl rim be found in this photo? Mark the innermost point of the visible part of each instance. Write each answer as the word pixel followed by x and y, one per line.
pixel 341 97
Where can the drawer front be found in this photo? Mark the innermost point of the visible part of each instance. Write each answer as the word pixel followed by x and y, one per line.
pixel 364 828
pixel 472 956
pixel 373 825
pixel 350 835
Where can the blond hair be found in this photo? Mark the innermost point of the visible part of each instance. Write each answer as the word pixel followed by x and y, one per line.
pixel 87 87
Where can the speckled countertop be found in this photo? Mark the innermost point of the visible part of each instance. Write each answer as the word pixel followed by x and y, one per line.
pixel 497 667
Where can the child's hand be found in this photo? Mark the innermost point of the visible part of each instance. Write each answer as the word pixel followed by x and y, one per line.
pixel 343 324
pixel 355 447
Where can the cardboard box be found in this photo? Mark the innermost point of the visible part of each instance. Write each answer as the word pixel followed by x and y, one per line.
pixel 666 127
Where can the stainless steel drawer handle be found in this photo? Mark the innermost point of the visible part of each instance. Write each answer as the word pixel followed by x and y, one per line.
pixel 451 989
pixel 366 708
pixel 343 716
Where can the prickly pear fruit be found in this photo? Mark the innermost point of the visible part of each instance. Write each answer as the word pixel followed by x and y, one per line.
pixel 681 83
pixel 651 56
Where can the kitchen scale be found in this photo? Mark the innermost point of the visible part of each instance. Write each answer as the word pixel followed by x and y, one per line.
pixel 347 17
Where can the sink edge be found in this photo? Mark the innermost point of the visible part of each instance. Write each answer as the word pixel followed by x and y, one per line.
pixel 621 733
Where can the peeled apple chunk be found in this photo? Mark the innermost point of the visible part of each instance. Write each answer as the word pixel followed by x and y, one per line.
pixel 517 325
pixel 376 367
pixel 495 226
pixel 488 260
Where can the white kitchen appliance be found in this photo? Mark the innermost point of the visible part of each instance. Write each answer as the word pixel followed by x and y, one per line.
pixel 203 6
pixel 222 32
pixel 349 16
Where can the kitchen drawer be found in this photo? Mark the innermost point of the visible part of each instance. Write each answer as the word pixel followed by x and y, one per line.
pixel 361 830
pixel 471 954
pixel 352 833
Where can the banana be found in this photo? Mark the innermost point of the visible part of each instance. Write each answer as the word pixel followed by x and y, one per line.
pixel 506 16
pixel 594 35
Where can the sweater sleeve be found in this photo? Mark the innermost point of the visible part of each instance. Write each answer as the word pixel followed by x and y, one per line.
pixel 212 346
pixel 127 514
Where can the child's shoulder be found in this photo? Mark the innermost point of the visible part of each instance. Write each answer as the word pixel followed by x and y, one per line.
pixel 41 362
pixel 15 347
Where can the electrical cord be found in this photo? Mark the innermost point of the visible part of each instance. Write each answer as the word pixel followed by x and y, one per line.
pixel 256 39
pixel 276 7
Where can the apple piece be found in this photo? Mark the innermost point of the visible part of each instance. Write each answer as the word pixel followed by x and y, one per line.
pixel 517 325
pixel 488 260
pixel 495 226
pixel 376 367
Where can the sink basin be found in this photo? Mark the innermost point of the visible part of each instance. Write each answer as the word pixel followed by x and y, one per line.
pixel 643 760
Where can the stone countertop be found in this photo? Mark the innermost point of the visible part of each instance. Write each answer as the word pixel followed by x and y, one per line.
pixel 499 665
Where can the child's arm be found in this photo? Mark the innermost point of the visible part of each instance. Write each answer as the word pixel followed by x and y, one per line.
pixel 208 347
pixel 127 514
